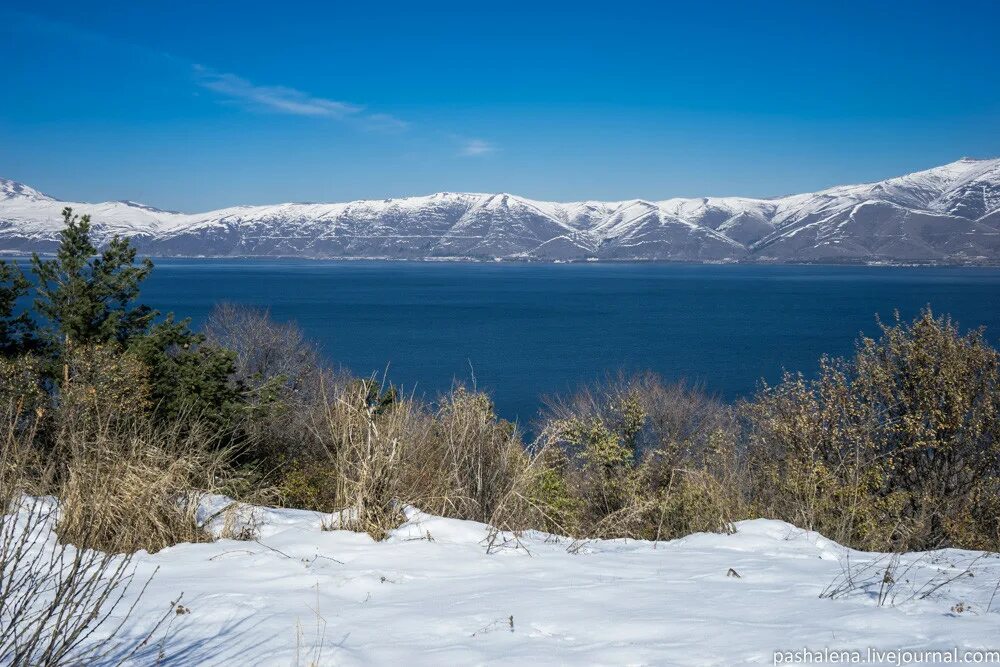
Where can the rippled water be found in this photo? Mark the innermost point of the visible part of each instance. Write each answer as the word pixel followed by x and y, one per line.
pixel 530 329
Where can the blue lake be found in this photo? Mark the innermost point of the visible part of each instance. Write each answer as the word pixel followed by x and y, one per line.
pixel 527 330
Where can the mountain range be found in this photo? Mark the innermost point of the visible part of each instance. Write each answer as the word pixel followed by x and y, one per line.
pixel 945 215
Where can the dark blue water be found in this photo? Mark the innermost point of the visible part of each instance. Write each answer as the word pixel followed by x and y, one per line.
pixel 528 330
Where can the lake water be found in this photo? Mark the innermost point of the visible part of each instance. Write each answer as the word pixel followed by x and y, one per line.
pixel 531 329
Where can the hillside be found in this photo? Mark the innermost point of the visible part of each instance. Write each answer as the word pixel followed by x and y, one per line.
pixel 949 214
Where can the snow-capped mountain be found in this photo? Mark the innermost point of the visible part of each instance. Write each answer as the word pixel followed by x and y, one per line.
pixel 949 214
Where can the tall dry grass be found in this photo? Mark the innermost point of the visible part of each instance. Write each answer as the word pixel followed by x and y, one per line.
pixel 379 451
pixel 468 459
pixel 55 597
pixel 124 480
pixel 363 439
pixel 135 485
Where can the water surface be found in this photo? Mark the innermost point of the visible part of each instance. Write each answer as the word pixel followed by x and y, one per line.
pixel 530 329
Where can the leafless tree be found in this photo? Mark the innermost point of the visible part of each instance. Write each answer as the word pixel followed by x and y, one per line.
pixel 268 353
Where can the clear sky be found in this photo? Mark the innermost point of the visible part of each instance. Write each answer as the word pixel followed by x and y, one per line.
pixel 202 105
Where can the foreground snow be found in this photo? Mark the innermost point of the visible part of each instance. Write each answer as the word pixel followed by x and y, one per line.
pixel 432 595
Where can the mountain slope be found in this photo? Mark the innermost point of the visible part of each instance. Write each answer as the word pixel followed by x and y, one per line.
pixel 949 214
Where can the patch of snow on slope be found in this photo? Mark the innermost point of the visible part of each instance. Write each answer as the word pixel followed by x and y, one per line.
pixel 481 225
pixel 12 189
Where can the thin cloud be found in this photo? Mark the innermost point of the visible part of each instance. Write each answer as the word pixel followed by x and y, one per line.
pixel 476 148
pixel 290 101
pixel 280 99
pixel 231 87
pixel 383 121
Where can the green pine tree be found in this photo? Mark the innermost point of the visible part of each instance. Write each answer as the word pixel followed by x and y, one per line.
pixel 88 298
pixel 16 330
pixel 188 377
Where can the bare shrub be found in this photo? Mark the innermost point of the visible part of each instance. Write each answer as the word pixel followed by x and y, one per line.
pixel 897 448
pixel 131 486
pixel 642 458
pixel 270 356
pixel 54 597
pixel 284 386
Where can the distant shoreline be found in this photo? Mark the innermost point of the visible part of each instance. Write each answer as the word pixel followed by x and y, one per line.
pixel 9 254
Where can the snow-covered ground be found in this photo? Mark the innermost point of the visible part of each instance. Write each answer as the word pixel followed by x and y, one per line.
pixel 435 593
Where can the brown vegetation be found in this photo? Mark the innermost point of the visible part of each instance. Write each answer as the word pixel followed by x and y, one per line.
pixel 894 448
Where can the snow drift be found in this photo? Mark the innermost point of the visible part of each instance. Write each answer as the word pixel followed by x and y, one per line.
pixel 435 593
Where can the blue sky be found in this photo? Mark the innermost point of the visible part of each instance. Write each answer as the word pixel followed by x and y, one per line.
pixel 198 106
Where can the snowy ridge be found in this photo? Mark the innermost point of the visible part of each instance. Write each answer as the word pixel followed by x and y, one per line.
pixel 948 214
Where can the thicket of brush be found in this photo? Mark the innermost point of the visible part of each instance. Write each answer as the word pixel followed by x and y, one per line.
pixel 81 482
pixel 126 417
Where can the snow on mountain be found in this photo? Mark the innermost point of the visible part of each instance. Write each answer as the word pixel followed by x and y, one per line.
pixel 948 214
pixel 931 215
pixel 12 190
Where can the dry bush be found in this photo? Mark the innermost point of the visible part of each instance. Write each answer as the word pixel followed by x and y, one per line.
pixel 364 435
pixel 124 481
pixel 897 448
pixel 814 460
pixel 307 483
pixel 788 431
pixel 380 451
pixel 267 352
pixel 677 419
pixel 635 457
pixel 102 382
pixel 23 401
pixel 539 494
pixel 54 596
pixel 934 397
pixel 85 476
pixel 466 463
pixel 284 386
pixel 125 487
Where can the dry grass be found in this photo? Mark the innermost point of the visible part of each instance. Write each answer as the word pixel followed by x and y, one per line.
pixel 135 485
pixel 467 461
pixel 382 451
pixel 124 481
pixel 363 440
pixel 55 596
